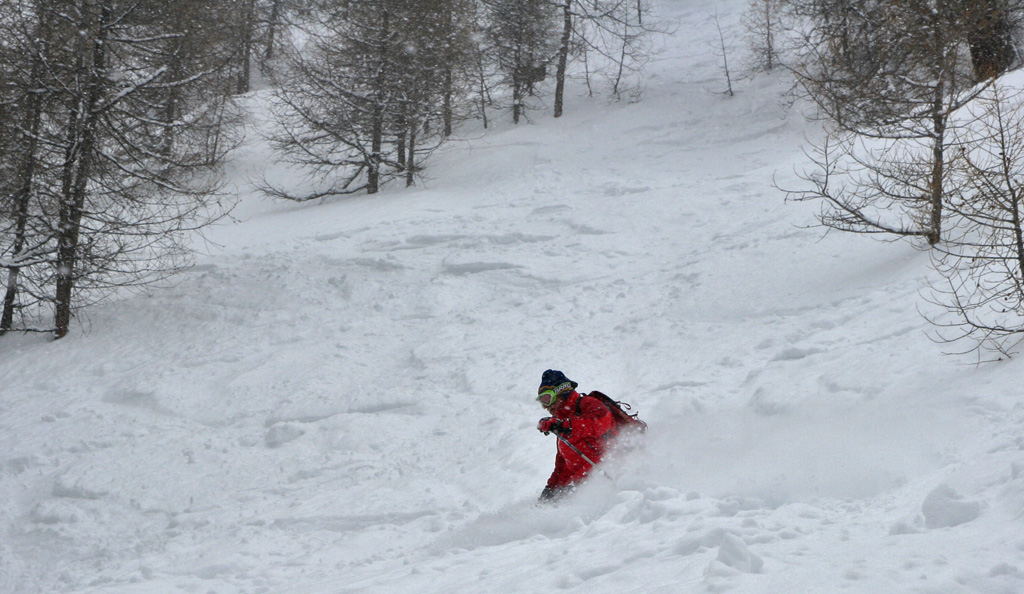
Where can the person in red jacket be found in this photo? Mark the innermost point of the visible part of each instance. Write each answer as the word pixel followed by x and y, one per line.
pixel 582 421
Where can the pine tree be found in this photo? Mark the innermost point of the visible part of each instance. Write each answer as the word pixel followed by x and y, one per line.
pixel 981 263
pixel 887 77
pixel 356 103
pixel 24 101
pixel 613 39
pixel 123 118
pixel 523 36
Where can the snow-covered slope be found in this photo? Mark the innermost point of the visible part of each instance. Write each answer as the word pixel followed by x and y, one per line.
pixel 339 398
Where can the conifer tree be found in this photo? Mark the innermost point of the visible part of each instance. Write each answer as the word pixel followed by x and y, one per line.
pixel 122 120
pixel 886 77
pixel 523 36
pixel 355 104
pixel 981 263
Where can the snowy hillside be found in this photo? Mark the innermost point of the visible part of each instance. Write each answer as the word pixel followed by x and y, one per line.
pixel 339 397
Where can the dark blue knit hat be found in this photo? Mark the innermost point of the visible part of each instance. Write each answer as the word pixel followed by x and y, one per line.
pixel 556 380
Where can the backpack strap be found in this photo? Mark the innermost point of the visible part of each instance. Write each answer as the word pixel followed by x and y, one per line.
pixel 579 410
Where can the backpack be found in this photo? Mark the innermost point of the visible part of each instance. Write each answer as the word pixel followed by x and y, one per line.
pixel 624 421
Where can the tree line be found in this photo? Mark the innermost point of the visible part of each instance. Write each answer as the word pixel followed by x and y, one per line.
pixel 116 115
pixel 370 88
pixel 112 118
pixel 922 140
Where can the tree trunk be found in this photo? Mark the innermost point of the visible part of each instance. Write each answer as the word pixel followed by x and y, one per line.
pixel 622 59
pixel 275 17
pixel 563 57
pixel 21 206
pixel 23 192
pixel 449 77
pixel 518 87
pixel 447 106
pixel 377 123
pixel 82 130
pixel 245 51
pixel 376 144
pixel 410 169
pixel 1018 231
pixel 10 296
pixel 403 133
pixel 13 272
pixel 935 184
pixel 171 102
pixel 484 99
pixel 28 157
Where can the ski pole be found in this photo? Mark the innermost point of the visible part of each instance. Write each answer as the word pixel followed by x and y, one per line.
pixel 584 456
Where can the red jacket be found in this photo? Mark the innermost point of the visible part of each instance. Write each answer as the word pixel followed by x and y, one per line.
pixel 593 428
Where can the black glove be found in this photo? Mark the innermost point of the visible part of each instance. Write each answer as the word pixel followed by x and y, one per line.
pixel 553 494
pixel 553 425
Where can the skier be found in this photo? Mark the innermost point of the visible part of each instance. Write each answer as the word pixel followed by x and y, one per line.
pixel 583 422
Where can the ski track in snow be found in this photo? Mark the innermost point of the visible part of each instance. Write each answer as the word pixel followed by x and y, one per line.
pixel 339 399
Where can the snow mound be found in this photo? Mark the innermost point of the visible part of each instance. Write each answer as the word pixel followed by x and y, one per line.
pixel 945 508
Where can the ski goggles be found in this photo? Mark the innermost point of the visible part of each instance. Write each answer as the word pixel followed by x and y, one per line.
pixel 547 397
